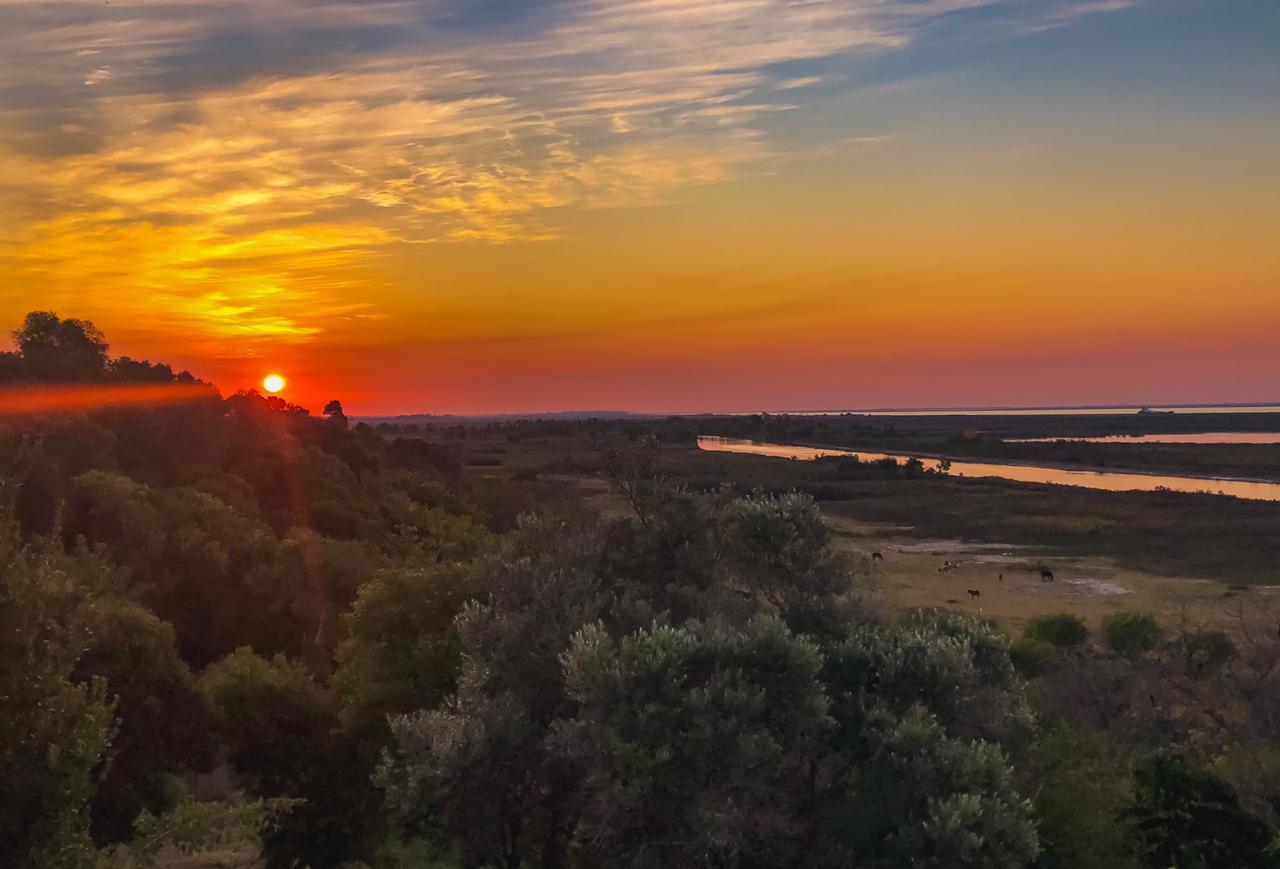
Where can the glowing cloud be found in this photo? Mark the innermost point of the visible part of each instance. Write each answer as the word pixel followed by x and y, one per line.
pixel 242 198
pixel 579 192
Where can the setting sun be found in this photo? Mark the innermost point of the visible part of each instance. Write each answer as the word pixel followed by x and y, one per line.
pixel 273 383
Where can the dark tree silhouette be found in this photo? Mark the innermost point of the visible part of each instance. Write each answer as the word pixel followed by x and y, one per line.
pixel 334 411
pixel 53 350
pixel 60 351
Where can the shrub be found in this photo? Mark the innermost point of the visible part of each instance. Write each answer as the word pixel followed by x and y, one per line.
pixel 1206 651
pixel 193 827
pixel 1062 630
pixel 1030 656
pixel 1131 633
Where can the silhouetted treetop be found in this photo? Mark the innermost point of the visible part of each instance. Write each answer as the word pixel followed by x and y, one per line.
pixel 53 350
pixel 61 351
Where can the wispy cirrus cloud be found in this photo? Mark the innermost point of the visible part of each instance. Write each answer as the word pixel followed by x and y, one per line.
pixel 229 164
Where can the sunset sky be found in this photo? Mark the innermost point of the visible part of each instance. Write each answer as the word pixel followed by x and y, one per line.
pixel 662 205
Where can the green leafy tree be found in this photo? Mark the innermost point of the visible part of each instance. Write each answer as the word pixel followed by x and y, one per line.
pixel 118 513
pixel 957 668
pixel 163 725
pixel 692 738
pixel 283 734
pixel 320 578
pixel 402 652
pixel 778 548
pixel 54 730
pixel 195 560
pixel 669 565
pixel 900 792
pixel 910 778
pixel 1183 815
pixel 269 713
pixel 476 771
pixel 432 532
pixel 482 769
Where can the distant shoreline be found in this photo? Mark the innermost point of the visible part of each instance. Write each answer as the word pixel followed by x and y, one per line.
pixel 1056 466
pixel 1059 410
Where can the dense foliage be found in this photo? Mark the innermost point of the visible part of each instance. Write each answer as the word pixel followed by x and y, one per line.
pixel 227 623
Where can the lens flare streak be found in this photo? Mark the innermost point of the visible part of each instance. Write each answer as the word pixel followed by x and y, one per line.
pixel 82 398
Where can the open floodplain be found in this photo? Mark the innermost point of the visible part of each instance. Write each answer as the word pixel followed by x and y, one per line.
pixel 1012 592
pixel 1194 558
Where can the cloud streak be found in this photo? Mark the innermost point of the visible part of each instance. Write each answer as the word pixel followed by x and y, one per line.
pixel 232 165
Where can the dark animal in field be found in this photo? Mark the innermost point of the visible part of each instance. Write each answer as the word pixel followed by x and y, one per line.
pixel 876 556
pixel 1046 575
pixel 974 592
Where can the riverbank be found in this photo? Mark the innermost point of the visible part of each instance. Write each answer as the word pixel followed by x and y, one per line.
pixel 1039 441
pixel 1057 466
pixel 1105 479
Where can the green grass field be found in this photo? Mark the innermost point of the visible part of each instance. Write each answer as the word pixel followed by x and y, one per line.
pixel 1011 592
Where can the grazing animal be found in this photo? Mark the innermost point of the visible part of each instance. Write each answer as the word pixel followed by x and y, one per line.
pixel 1046 575
pixel 974 592
pixel 876 556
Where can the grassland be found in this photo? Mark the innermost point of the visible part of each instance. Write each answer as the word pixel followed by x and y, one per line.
pixel 1011 592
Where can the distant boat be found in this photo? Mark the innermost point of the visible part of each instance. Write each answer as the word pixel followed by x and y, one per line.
pixel 1146 411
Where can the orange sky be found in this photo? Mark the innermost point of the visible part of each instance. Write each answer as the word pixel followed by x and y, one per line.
pixel 652 205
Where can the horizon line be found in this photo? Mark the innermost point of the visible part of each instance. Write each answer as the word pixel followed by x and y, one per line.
pixel 1013 409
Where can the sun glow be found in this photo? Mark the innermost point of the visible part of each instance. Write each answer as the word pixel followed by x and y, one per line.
pixel 273 383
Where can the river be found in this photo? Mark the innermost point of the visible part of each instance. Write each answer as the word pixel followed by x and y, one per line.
pixel 1219 437
pixel 1119 410
pixel 1111 481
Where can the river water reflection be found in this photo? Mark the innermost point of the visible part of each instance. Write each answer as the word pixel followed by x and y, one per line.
pixel 1111 481
pixel 1219 437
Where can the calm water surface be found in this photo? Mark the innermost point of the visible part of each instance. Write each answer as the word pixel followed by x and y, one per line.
pixel 1111 481
pixel 1221 437
pixel 1043 411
